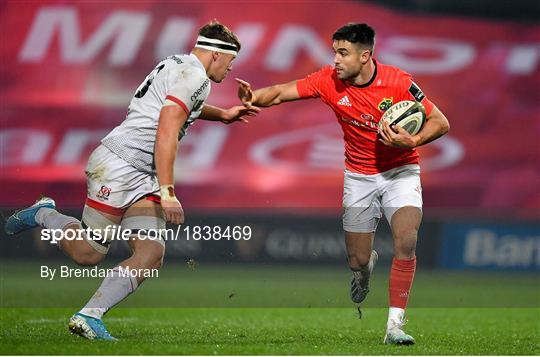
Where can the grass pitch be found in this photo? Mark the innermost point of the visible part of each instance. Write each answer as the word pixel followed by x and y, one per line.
pixel 272 311
pixel 275 331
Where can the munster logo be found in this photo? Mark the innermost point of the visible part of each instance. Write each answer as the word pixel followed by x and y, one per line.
pixel 385 104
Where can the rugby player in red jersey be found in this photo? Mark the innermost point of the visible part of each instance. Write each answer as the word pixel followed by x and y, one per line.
pixel 382 172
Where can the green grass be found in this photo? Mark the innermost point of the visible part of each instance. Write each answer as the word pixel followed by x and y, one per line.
pixel 268 286
pixel 271 331
pixel 249 309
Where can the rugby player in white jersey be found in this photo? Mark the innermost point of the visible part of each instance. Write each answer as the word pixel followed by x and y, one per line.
pixel 130 175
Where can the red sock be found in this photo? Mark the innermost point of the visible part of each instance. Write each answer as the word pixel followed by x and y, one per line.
pixel 401 278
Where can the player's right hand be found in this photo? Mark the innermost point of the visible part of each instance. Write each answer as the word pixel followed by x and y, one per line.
pixel 172 208
pixel 245 93
pixel 240 113
pixel 173 211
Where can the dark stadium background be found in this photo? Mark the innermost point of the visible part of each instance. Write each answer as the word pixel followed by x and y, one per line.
pixel 68 70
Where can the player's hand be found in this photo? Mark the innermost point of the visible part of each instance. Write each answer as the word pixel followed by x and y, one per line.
pixel 245 93
pixel 173 211
pixel 396 136
pixel 239 113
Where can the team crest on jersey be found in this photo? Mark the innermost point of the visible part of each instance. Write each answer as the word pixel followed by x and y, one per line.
pixel 385 104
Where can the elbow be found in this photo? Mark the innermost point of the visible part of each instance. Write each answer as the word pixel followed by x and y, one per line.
pixel 276 90
pixel 443 124
pixel 446 127
pixel 440 121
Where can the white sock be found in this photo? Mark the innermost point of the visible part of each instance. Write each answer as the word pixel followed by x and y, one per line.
pixel 51 218
pixel 395 316
pixel 113 289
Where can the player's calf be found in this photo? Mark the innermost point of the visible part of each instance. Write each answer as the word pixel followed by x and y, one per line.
pixel 147 254
pixel 125 278
pixel 87 256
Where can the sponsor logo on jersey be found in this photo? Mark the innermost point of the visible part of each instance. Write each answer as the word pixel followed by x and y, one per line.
pixel 416 92
pixel 104 193
pixel 176 59
pixel 345 102
pixel 199 91
pixel 366 121
pixel 198 105
pixel 385 104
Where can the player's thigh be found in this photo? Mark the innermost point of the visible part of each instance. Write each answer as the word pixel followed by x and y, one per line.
pixel 361 203
pixel 145 206
pixel 401 187
pixel 99 230
pixel 105 200
pixel 145 220
pixel 116 194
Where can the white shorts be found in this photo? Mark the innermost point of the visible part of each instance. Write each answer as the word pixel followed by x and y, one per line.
pixel 113 186
pixel 116 184
pixel 366 197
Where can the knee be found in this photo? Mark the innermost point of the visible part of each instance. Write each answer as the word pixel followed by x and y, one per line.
pixel 151 258
pixel 158 263
pixel 405 243
pixel 156 260
pixel 358 260
pixel 88 259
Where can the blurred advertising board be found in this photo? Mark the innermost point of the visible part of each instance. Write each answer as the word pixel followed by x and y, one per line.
pixel 490 246
pixel 69 70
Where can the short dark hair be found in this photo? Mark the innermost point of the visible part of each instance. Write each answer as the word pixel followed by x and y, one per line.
pixel 359 34
pixel 218 31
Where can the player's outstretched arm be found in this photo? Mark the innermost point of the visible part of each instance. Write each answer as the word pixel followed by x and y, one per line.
pixel 436 126
pixel 171 119
pixel 230 115
pixel 267 96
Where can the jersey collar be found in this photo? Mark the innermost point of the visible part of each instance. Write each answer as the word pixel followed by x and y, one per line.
pixel 368 83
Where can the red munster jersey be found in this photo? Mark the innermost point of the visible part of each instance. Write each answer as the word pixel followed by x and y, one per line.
pixel 359 108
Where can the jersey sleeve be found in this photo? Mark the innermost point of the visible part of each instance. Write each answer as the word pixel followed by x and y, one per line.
pixel 311 85
pixel 411 91
pixel 188 90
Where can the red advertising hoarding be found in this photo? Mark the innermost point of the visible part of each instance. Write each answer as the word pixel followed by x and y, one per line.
pixel 69 70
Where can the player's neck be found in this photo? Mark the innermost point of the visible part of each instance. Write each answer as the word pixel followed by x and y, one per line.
pixel 365 75
pixel 204 57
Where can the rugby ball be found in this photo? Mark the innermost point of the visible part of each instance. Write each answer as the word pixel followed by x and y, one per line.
pixel 407 114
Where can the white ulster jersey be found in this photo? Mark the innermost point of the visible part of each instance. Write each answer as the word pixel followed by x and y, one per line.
pixel 180 79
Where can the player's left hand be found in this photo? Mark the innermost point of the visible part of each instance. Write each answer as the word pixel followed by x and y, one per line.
pixel 396 137
pixel 245 93
pixel 239 113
